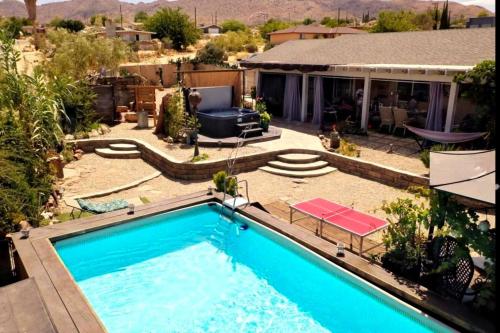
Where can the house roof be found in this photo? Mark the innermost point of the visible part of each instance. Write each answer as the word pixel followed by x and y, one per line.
pixel 119 32
pixel 458 48
pixel 318 29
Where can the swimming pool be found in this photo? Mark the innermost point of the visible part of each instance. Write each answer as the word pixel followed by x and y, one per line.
pixel 193 270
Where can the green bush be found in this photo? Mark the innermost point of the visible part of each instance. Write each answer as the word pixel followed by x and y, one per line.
pixel 174 115
pixel 13 25
pixel 272 25
pixel 210 54
pixel 251 48
pixel 219 178
pixel 233 25
pixel 347 148
pixel 174 24
pixel 140 16
pixel 236 41
pixel 425 153
pixel 70 25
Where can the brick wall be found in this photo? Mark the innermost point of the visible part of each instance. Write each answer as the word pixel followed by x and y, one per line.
pixel 204 170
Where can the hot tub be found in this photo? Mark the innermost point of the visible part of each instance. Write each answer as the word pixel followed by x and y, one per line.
pixel 222 123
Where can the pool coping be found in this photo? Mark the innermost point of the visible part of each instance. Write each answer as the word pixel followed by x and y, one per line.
pixel 70 312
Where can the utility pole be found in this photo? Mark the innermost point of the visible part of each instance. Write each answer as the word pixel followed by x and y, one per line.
pixel 195 23
pixel 215 18
pixel 121 16
pixel 338 15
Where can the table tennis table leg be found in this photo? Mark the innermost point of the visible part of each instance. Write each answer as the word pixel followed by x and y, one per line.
pixel 361 245
pixel 351 242
pixel 291 214
pixel 321 228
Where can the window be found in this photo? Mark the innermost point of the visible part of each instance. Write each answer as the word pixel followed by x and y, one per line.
pixel 404 91
pixel 421 92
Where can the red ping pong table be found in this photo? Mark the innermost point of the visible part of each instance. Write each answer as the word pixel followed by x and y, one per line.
pixel 342 217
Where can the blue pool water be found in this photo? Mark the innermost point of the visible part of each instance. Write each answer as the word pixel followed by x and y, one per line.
pixel 194 271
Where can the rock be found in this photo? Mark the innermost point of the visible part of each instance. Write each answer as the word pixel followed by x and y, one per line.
pixel 169 139
pixel 105 128
pixel 69 137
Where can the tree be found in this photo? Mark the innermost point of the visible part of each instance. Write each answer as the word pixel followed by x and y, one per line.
pixel 31 8
pixel 98 20
pixel 483 13
pixel 424 21
pixel 272 25
pixel 394 21
pixel 174 24
pixel 308 21
pixel 141 16
pixel 233 25
pixel 210 54
pixel 445 18
pixel 70 25
pixel 436 14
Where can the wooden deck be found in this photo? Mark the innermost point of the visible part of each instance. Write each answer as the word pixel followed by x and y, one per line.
pixel 70 312
pixel 22 309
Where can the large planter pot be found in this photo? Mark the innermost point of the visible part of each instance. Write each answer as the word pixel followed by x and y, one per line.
pixel 265 126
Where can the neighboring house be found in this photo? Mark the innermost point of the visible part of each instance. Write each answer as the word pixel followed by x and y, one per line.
pixel 309 32
pixel 212 29
pixel 134 35
pixel 410 70
pixel 143 39
pixel 480 22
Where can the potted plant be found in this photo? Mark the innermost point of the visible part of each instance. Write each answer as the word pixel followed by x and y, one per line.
pixel 265 119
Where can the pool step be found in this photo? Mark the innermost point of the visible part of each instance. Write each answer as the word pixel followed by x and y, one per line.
pixel 298 166
pixel 122 146
pixel 298 174
pixel 111 153
pixel 298 158
pixel 252 124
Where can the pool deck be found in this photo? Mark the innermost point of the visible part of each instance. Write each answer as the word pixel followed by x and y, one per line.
pixel 70 312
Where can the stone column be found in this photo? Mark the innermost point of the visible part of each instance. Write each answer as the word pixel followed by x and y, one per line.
pixel 305 90
pixel 366 102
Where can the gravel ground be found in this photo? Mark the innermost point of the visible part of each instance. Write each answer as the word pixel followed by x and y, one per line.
pixel 94 173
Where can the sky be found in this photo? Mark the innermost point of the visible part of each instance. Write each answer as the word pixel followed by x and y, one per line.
pixel 489 4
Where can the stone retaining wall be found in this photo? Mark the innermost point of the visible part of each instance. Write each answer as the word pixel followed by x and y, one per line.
pixel 205 169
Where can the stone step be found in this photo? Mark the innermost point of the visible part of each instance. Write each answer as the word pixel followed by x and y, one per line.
pixel 249 133
pixel 299 174
pixel 298 166
pixel 298 158
pixel 244 125
pixel 110 153
pixel 123 146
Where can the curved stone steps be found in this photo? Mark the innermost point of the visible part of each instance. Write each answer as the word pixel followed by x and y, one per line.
pixel 123 146
pixel 297 173
pixel 298 166
pixel 110 153
pixel 298 158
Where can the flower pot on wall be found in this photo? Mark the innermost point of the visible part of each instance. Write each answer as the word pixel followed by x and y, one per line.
pixel 265 126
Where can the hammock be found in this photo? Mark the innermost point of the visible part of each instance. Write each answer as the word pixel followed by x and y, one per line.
pixel 443 137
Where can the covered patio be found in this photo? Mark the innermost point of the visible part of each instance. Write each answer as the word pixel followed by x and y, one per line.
pixel 375 80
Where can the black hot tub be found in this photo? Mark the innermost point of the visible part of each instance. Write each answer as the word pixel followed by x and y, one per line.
pixel 222 123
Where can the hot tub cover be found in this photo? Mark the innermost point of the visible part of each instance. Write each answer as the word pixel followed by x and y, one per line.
pixel 469 174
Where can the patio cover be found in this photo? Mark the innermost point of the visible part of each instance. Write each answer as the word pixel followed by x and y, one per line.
pixel 469 174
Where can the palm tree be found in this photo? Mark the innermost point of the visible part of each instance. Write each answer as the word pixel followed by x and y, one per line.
pixel 31 8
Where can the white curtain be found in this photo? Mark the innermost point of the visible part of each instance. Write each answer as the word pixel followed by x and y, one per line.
pixel 318 101
pixel 291 104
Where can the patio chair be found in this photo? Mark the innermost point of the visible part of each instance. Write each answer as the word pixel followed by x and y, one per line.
pixel 452 280
pixel 386 117
pixel 400 120
pixel 96 208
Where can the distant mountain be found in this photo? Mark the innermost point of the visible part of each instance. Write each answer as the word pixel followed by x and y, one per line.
pixel 249 11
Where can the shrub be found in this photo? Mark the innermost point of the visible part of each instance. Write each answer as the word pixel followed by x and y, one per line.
pixel 251 48
pixel 235 41
pixel 348 149
pixel 272 25
pixel 210 54
pixel 219 178
pixel 425 153
pixel 13 25
pixel 174 115
pixel 140 16
pixel 233 25
pixel 174 24
pixel 70 25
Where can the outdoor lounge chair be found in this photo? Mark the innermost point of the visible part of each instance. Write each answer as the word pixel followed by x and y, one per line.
pixel 442 137
pixel 96 208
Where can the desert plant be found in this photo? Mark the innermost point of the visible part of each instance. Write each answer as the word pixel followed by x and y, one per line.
pixel 174 114
pixel 348 149
pixel 260 105
pixel 233 25
pixel 251 48
pixel 219 178
pixel 70 25
pixel 272 25
pixel 210 54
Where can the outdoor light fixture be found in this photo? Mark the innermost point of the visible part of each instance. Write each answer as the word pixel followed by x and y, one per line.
pixel 131 208
pixel 210 190
pixel 340 249
pixel 484 225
